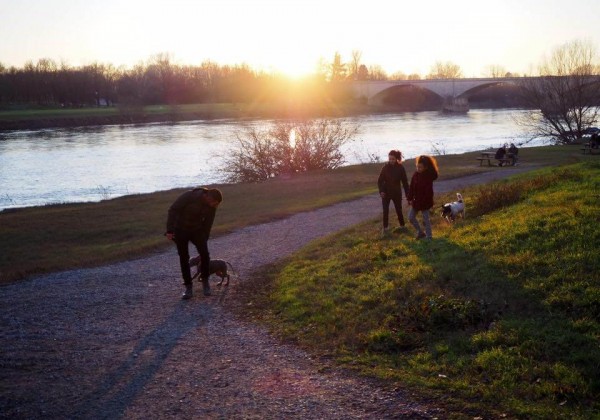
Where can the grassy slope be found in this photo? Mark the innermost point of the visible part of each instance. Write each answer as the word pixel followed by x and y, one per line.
pixel 499 313
pixel 76 235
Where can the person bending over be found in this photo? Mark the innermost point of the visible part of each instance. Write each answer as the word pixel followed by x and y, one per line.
pixel 190 219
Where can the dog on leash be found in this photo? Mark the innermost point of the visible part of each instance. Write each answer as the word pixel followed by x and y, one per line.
pixel 450 211
pixel 218 267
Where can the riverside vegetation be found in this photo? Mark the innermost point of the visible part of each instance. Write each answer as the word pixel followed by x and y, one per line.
pixel 499 313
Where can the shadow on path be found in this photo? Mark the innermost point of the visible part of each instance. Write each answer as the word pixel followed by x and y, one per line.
pixel 121 386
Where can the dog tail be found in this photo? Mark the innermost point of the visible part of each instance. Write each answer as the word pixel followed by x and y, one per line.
pixel 230 267
pixel 459 197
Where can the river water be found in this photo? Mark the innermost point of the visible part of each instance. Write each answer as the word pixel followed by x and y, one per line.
pixel 95 163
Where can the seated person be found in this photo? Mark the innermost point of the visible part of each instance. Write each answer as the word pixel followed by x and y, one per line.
pixel 513 153
pixel 500 153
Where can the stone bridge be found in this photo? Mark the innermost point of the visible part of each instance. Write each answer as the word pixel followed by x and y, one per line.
pixel 455 92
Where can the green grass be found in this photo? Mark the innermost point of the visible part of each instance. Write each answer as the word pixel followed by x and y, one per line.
pixel 205 110
pixel 79 235
pixel 499 314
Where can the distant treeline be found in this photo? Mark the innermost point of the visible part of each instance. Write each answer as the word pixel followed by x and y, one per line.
pixel 159 81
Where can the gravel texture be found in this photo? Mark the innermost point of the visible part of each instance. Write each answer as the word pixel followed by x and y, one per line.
pixel 117 341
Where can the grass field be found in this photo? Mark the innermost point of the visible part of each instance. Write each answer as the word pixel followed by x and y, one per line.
pixel 79 235
pixel 498 314
pixel 207 110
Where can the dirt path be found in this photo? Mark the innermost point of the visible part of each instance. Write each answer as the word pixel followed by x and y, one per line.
pixel 116 341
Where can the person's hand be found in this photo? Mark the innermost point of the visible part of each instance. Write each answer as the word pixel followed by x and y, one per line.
pixel 382 194
pixel 170 236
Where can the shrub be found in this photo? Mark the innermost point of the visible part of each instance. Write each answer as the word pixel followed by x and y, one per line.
pixel 286 148
pixel 499 195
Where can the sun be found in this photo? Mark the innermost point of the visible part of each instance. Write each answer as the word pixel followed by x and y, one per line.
pixel 294 67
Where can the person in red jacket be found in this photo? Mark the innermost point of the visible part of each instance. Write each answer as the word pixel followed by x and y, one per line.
pixel 392 180
pixel 420 194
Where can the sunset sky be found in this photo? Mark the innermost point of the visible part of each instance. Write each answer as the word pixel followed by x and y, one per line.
pixel 292 35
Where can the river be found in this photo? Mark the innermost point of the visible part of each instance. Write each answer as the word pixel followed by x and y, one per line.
pixel 94 163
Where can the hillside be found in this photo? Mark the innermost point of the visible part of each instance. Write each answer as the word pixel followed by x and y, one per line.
pixel 497 313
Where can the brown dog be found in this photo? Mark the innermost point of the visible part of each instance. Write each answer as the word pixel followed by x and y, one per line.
pixel 218 267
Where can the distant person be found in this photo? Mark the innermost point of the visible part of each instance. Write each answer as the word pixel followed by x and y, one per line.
pixel 513 153
pixel 391 181
pixel 500 154
pixel 190 219
pixel 594 141
pixel 420 194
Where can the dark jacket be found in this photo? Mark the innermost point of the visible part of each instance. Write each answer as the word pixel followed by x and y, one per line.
pixel 421 190
pixel 392 179
pixel 190 213
pixel 500 153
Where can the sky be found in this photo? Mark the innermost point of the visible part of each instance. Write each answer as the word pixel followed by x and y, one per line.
pixel 291 36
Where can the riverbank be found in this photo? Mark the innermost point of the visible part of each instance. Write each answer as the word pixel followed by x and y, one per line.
pixel 78 117
pixel 88 234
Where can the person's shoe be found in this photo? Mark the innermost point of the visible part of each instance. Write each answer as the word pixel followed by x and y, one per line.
pixel 205 287
pixel 401 229
pixel 420 235
pixel 385 231
pixel 189 292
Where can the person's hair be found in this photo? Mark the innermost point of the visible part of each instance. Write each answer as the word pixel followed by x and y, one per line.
pixel 396 153
pixel 429 162
pixel 215 194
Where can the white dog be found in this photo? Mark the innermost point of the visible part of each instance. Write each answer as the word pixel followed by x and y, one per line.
pixel 451 210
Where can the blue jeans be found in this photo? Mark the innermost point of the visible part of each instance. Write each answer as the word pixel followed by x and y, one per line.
pixel 412 217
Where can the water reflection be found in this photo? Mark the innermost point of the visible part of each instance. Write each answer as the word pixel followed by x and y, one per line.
pixel 94 163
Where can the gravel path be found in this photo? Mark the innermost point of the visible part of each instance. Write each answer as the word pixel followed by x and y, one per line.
pixel 116 341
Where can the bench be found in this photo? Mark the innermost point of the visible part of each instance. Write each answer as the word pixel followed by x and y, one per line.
pixel 489 159
pixel 589 149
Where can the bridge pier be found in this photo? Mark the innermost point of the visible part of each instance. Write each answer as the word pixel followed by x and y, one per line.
pixel 455 105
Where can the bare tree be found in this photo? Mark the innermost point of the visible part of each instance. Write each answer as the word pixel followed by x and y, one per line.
pixel 564 98
pixel 495 71
pixel 287 147
pixel 414 76
pixel 447 70
pixel 399 75
pixel 355 64
pixel 376 72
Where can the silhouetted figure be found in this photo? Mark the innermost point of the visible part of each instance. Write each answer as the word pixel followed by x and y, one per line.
pixel 500 154
pixel 513 153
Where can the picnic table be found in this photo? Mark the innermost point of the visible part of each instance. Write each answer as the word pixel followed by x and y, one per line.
pixel 489 156
pixel 587 148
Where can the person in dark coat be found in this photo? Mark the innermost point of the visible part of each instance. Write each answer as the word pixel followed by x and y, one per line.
pixel 420 194
pixel 513 153
pixel 391 181
pixel 190 219
pixel 500 153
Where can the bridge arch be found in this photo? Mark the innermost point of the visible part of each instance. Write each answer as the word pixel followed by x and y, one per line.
pixel 448 89
pixel 409 90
